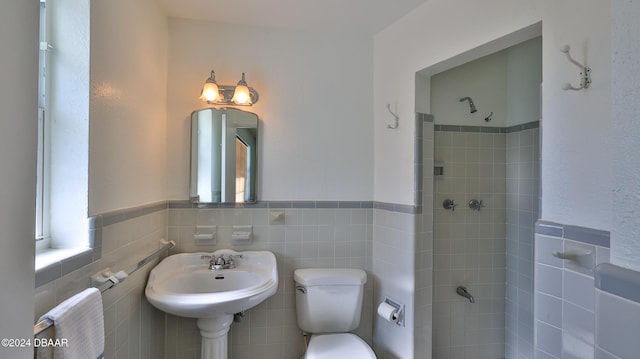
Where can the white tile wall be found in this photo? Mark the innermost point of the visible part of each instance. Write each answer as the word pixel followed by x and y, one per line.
pixel 564 301
pixel 618 324
pixel 313 237
pixel 394 256
pixel 308 237
pixel 133 328
pixel 617 312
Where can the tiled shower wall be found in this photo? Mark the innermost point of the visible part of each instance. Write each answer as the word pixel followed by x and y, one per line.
pixel 424 238
pixel 488 251
pixel 469 245
pixel 523 168
pixel 306 237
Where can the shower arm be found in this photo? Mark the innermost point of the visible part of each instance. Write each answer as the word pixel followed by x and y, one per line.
pixel 472 106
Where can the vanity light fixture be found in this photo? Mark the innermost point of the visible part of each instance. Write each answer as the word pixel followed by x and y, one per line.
pixel 239 95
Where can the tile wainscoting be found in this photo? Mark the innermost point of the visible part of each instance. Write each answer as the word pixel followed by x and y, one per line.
pixel 133 328
pixel 565 295
pixel 617 312
pixel 312 234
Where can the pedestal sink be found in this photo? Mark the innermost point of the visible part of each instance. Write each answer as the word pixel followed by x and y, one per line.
pixel 184 285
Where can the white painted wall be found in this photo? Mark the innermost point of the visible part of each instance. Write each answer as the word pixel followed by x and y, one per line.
pixel 484 80
pixel 625 234
pixel 316 138
pixel 18 133
pixel 524 71
pixel 127 163
pixel 506 83
pixel 576 125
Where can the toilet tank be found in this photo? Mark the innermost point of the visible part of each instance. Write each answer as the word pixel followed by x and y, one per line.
pixel 329 300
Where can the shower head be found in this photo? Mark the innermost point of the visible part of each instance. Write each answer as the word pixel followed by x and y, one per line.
pixel 472 107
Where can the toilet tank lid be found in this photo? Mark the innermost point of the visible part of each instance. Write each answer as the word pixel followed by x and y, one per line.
pixel 329 276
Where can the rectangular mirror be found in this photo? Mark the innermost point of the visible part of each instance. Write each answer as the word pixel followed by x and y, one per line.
pixel 223 156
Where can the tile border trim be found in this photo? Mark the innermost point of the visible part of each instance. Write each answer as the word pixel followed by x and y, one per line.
pixel 424 117
pixel 94 252
pixel 619 281
pixel 178 204
pixel 400 208
pixel 99 221
pixel 394 207
pixel 487 129
pixel 576 233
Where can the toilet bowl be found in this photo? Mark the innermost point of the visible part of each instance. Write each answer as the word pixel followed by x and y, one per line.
pixel 329 306
pixel 342 345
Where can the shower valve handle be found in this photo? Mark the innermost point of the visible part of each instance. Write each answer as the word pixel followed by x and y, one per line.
pixel 476 205
pixel 449 204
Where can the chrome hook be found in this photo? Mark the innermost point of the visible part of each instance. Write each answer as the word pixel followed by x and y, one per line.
pixel 585 74
pixel 397 119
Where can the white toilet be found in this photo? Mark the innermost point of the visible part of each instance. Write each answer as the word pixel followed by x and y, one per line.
pixel 329 305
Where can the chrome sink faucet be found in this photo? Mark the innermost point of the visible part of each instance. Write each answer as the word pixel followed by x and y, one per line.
pixel 220 262
pixel 212 260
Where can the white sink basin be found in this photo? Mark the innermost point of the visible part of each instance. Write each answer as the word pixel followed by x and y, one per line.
pixel 183 285
pixel 199 281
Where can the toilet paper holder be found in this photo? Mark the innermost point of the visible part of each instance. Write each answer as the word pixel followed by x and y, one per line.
pixel 399 309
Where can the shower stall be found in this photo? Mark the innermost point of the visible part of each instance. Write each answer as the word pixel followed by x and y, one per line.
pixel 486 202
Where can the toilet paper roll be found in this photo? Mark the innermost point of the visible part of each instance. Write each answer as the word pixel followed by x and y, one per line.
pixel 388 312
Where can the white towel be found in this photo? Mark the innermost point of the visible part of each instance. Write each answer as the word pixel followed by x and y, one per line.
pixel 79 326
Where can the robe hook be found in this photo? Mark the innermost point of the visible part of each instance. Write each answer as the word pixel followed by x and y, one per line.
pixel 585 74
pixel 397 119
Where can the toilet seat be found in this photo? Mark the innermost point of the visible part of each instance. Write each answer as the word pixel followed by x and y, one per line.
pixel 341 345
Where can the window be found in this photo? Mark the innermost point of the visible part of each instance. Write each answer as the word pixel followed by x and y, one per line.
pixel 63 126
pixel 42 86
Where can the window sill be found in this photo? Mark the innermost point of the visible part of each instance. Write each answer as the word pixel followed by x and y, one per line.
pixel 52 264
pixel 50 256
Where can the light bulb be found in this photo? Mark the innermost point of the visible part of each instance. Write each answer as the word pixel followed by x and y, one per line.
pixel 241 95
pixel 210 92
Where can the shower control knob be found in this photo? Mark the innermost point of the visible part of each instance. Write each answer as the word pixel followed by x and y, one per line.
pixel 476 205
pixel 449 204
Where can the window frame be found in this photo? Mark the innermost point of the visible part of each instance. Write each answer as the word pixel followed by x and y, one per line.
pixel 42 235
pixel 62 221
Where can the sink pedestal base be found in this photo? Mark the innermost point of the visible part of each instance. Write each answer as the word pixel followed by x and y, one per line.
pixel 214 336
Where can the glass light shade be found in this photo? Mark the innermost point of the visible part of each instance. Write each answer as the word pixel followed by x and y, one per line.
pixel 241 95
pixel 210 92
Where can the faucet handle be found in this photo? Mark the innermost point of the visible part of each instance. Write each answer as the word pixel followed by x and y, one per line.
pixel 449 204
pixel 476 205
